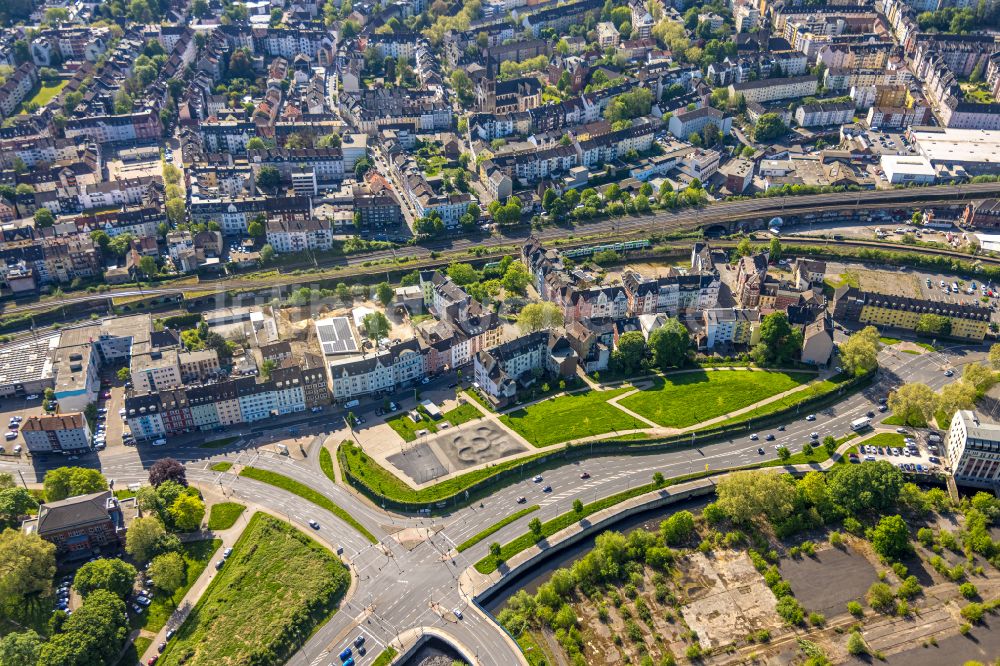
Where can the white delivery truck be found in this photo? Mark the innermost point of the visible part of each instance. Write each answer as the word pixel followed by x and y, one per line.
pixel 860 424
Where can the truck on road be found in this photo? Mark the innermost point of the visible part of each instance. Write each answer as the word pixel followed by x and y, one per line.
pixel 858 425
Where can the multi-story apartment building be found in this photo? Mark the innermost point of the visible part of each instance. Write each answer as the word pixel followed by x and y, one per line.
pixel 326 163
pixel 731 326
pixel 499 370
pixel 769 90
pixel 17 87
pixel 80 525
pixel 970 322
pixel 828 113
pixel 973 449
pixel 62 432
pixel 299 235
pixel 387 369
pixel 685 123
pixel 107 129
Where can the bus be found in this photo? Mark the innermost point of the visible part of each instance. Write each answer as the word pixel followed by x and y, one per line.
pixel 860 424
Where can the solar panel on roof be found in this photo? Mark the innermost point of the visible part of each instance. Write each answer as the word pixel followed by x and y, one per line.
pixel 335 336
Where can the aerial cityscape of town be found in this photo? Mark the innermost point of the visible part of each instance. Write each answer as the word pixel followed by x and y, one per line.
pixel 499 332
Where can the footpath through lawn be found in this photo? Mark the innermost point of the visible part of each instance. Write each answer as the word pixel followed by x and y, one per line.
pixel 571 416
pixel 684 399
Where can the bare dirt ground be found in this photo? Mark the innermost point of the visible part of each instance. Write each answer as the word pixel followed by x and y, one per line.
pixel 728 598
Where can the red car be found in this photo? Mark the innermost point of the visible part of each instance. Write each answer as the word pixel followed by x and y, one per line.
pixel 152 660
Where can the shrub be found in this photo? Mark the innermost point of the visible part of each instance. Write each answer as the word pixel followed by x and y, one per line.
pixel 808 548
pixel 817 619
pixel 836 539
pixel 693 652
pixel 880 597
pixel 854 526
pixel 968 590
pixel 973 612
pixel 902 608
pixel 909 588
pixel 964 628
pixel 790 611
pixel 855 609
pixel 925 536
pixel 856 644
pixel 900 569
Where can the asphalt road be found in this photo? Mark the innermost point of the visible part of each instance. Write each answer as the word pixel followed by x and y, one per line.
pixel 400 588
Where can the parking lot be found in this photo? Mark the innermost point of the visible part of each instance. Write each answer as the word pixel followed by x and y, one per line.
pixel 907 449
pixel 9 408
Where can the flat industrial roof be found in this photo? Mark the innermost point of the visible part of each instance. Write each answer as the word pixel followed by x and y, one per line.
pixel 958 145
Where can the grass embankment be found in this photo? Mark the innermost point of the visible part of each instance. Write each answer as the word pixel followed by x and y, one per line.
pixel 326 464
pixel 818 455
pixel 218 443
pixel 306 493
pixel 571 416
pixel 224 515
pixel 391 486
pixel 406 428
pixel 489 564
pixel 684 399
pixel 886 439
pixel 811 392
pixel 221 467
pixel 275 589
pixel 898 420
pixel 496 527
pixel 197 555
pixel 386 657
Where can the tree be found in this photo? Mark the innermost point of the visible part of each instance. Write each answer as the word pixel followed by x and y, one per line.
pixel 167 469
pixel 779 341
pixel 981 377
pixel 361 167
pixel 256 143
pixel 744 248
pixel 384 293
pixel 860 353
pixel 869 487
pixel 669 344
pixel 577 507
pixel 955 396
pixel 44 218
pixel 268 177
pixel 783 453
pixel 175 212
pixel 769 127
pixel 747 495
pixel 168 572
pixel 535 525
pixel 20 648
pixel 933 325
pixel 147 265
pixel 774 249
pixel 344 293
pixel 109 574
pixel 376 326
pixel 199 8
pixel 677 529
pixel 187 512
pixel 516 278
pixel 539 316
pixel 64 482
pixel 14 503
pixel 462 85
pixel 463 274
pixel 142 541
pixel 913 403
pixel 29 565
pixel 630 352
pixel 995 356
pixel 891 538
pixel 255 229
pixel 266 253
pixel 94 634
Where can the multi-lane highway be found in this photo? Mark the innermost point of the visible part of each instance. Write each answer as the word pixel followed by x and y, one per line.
pixel 410 578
